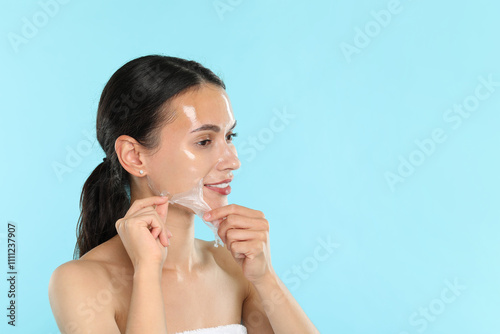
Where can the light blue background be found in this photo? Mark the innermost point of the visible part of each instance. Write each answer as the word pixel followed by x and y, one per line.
pixel 319 177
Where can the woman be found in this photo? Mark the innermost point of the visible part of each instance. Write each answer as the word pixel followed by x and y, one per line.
pixel 140 269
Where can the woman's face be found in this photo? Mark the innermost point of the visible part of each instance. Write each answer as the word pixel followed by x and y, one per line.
pixel 196 145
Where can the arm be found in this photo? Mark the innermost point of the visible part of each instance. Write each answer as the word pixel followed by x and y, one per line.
pixel 147 310
pixel 271 308
pixel 143 235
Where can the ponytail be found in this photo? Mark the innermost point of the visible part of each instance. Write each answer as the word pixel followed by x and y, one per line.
pixel 103 201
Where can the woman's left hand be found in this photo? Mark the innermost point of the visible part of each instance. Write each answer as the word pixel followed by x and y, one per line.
pixel 246 235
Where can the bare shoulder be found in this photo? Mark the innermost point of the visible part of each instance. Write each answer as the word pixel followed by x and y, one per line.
pixel 76 272
pixel 77 277
pixel 96 266
pixel 79 295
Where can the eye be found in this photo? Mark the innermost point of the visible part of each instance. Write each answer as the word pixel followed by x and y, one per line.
pixel 232 135
pixel 206 142
pixel 203 143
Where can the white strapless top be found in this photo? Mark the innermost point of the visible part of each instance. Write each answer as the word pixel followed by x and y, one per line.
pixel 226 329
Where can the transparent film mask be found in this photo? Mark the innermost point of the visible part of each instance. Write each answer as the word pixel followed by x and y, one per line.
pixel 193 198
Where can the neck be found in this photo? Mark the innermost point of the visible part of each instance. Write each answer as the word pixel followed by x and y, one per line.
pixel 183 252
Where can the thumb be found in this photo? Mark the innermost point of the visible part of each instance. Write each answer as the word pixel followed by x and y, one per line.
pixel 162 209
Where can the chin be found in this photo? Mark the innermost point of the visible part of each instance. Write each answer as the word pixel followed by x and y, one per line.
pixel 214 200
pixel 217 203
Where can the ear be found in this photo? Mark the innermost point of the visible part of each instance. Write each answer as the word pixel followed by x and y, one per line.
pixel 129 152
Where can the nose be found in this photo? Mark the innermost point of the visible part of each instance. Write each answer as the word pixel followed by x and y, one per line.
pixel 229 159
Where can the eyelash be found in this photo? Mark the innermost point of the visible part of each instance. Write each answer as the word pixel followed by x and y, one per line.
pixel 234 134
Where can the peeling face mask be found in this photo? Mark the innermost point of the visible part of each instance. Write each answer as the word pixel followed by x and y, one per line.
pixel 193 200
pixel 200 155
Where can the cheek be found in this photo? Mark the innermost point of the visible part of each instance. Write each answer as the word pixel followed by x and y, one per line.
pixel 194 165
pixel 183 172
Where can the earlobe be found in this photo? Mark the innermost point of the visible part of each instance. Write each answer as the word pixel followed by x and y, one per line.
pixel 128 151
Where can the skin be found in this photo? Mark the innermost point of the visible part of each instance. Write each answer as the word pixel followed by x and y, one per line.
pixel 154 272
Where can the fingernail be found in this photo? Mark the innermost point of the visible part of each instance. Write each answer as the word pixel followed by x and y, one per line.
pixel 207 215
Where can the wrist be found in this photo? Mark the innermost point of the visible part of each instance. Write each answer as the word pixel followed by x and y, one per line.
pixel 147 271
pixel 268 279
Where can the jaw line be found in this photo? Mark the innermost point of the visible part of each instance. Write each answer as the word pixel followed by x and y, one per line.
pixel 193 199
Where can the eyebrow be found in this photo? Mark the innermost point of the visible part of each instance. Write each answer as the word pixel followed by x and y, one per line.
pixel 211 127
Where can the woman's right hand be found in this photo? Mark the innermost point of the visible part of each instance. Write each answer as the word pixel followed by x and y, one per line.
pixel 143 231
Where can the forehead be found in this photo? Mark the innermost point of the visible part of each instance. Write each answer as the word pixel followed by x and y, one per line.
pixel 205 104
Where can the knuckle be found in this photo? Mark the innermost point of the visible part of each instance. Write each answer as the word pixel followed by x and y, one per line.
pixel 149 217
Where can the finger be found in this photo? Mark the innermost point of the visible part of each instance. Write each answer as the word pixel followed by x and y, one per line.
pixel 145 202
pixel 146 212
pixel 223 211
pixel 164 238
pixel 240 222
pixel 236 234
pixel 162 210
pixel 156 229
pixel 159 243
pixel 146 220
pixel 155 232
pixel 217 222
pixel 142 211
pixel 242 249
pixel 156 225
pixel 151 221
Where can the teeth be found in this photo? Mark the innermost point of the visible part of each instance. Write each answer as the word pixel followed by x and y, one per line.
pixel 222 185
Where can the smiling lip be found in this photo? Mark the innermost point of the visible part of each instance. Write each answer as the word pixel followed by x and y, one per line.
pixel 223 191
